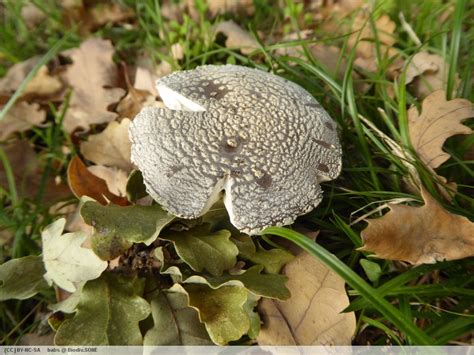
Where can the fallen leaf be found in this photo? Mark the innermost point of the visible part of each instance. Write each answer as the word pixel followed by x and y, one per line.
pixel 115 179
pixel 219 7
pixel 364 39
pixel 93 77
pixel 312 316
pixel 203 250
pixel 111 147
pixel 428 234
pixel 237 37
pixel 327 55
pixel 221 311
pixel 65 261
pixel 42 84
pixel 21 278
pixel 27 172
pixel 439 120
pixel 31 14
pixel 117 228
pixel 83 183
pixel 134 101
pixel 108 313
pixel 20 118
pixel 427 73
pixel 105 13
pixel 174 322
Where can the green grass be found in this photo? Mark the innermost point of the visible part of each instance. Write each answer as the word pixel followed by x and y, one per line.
pixel 428 304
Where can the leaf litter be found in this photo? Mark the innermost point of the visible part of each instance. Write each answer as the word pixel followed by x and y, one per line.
pixel 99 103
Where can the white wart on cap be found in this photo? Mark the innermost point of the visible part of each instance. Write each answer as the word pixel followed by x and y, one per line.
pixel 262 139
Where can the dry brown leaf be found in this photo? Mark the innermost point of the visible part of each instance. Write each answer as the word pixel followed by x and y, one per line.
pixel 102 14
pixel 133 102
pixel 428 72
pixel 115 179
pixel 439 120
pixel 93 77
pixel 83 183
pixel 312 315
pixel 21 117
pixel 31 14
pixel 110 147
pixel 42 84
pixel 419 235
pixel 219 7
pixel 237 37
pixel 28 171
pixel 145 80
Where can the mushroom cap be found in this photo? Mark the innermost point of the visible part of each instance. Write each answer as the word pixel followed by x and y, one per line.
pixel 262 139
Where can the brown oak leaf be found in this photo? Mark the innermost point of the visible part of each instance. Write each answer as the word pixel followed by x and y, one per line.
pixel 93 77
pixel 237 37
pixel 439 120
pixel 21 117
pixel 312 316
pixel 111 147
pixel 42 84
pixel 428 73
pixel 419 235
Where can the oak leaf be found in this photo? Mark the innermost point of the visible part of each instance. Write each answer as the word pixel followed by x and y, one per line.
pixel 175 323
pixel 108 313
pixel 237 37
pixel 428 73
pixel 439 120
pixel 419 235
pixel 312 316
pixel 221 310
pixel 111 147
pixel 115 179
pixel 204 250
pixel 20 118
pixel 93 77
pixel 42 84
pixel 220 7
pixel 117 228
pixel 84 183
pixel 65 260
pixel 27 170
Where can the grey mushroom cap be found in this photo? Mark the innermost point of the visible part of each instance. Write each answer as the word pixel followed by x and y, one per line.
pixel 263 140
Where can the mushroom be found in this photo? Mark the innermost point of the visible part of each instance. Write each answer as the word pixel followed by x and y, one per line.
pixel 263 140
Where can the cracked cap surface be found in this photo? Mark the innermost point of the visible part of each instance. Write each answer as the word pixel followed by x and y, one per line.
pixel 263 139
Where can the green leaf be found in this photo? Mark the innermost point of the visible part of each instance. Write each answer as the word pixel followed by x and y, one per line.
pixel 117 228
pixel 254 317
pixel 372 269
pixel 273 260
pixel 221 310
pixel 175 323
pixel 135 187
pixel 203 250
pixel 22 278
pixel 267 285
pixel 108 313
